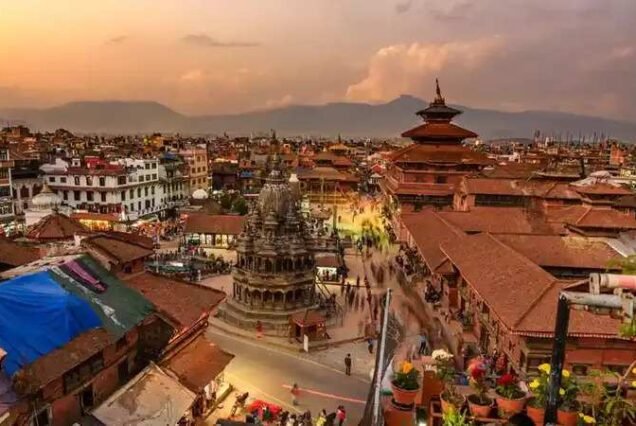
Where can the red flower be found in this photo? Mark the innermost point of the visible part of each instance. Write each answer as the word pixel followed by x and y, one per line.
pixel 506 380
pixel 477 373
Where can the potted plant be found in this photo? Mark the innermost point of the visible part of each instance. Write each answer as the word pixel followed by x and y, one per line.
pixel 405 384
pixel 510 398
pixel 606 403
pixel 478 403
pixel 585 420
pixel 568 413
pixel 539 389
pixel 454 418
pixel 445 371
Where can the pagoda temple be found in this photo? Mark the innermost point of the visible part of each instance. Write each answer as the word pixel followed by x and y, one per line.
pixel 427 171
pixel 274 272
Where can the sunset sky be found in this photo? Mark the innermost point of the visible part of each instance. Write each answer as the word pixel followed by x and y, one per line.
pixel 221 56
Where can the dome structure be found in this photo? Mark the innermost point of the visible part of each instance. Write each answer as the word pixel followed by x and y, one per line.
pixel 46 199
pixel 200 194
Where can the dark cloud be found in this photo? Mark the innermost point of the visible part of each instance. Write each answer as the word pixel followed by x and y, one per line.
pixel 204 40
pixel 404 6
pixel 117 40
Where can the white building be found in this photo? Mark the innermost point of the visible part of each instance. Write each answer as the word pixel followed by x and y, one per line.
pixel 128 186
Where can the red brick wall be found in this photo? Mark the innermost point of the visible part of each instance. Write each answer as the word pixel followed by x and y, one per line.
pixel 66 410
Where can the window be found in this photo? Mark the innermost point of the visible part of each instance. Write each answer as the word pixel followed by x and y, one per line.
pixel 42 418
pixel 87 398
pixel 152 202
pixel 52 179
pixel 65 195
pixel 76 195
pixel 121 180
pixel 154 165
pixel 440 179
pixel 147 204
pixel 132 207
pixel 618 369
pixel 89 180
pixel 63 179
pixel 146 191
pixel 89 195
pixel 139 205
pixel 147 166
pixel 579 369
pixel 103 194
pixel 152 190
pixel 82 373
pixel 132 194
pixel 123 372
pixel 123 195
pixel 139 192
pixel 77 180
pixel 102 181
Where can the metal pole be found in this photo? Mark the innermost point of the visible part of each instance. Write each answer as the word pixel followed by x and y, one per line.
pixel 380 365
pixel 558 357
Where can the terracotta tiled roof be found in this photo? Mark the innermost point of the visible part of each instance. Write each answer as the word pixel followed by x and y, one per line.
pixel 429 231
pixel 592 217
pixel 512 171
pixel 539 320
pixel 54 364
pixel 13 254
pixel 438 131
pixel 118 249
pixel 508 282
pixel 214 224
pixel 430 153
pixel 561 251
pixel 501 220
pixel 474 185
pixel 327 173
pixel 183 303
pixel 56 226
pixel 140 240
pixel 601 189
pixel 95 216
pixel 199 363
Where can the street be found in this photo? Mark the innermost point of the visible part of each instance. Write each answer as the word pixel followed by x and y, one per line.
pixel 268 373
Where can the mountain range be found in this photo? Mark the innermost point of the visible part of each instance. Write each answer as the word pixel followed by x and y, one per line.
pixel 349 119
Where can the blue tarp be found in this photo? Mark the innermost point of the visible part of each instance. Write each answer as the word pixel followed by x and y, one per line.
pixel 37 316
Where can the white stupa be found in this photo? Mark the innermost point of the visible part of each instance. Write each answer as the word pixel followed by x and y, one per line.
pixel 42 205
pixel 200 194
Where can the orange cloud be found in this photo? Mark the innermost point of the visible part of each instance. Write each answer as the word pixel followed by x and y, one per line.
pixel 404 68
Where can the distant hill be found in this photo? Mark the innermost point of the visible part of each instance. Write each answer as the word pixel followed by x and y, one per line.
pixel 348 119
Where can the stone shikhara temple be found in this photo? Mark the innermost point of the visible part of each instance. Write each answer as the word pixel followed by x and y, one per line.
pixel 274 272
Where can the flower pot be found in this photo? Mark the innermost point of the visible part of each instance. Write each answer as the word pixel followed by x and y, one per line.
pixel 448 406
pixel 509 407
pixel 403 396
pixel 536 414
pixel 477 408
pixel 567 418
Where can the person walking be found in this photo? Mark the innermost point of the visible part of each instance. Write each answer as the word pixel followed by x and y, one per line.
pixel 370 345
pixel 347 362
pixel 295 391
pixel 321 420
pixel 341 415
pixel 423 345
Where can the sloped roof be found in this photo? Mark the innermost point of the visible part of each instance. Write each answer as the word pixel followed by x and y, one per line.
pixel 584 216
pixel 118 249
pixel 151 398
pixel 507 281
pixel 429 230
pixel 214 224
pixel 183 303
pixel 500 220
pixel 200 362
pixel 562 251
pixel 434 130
pixel 14 254
pixel 56 226
pixel 431 153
